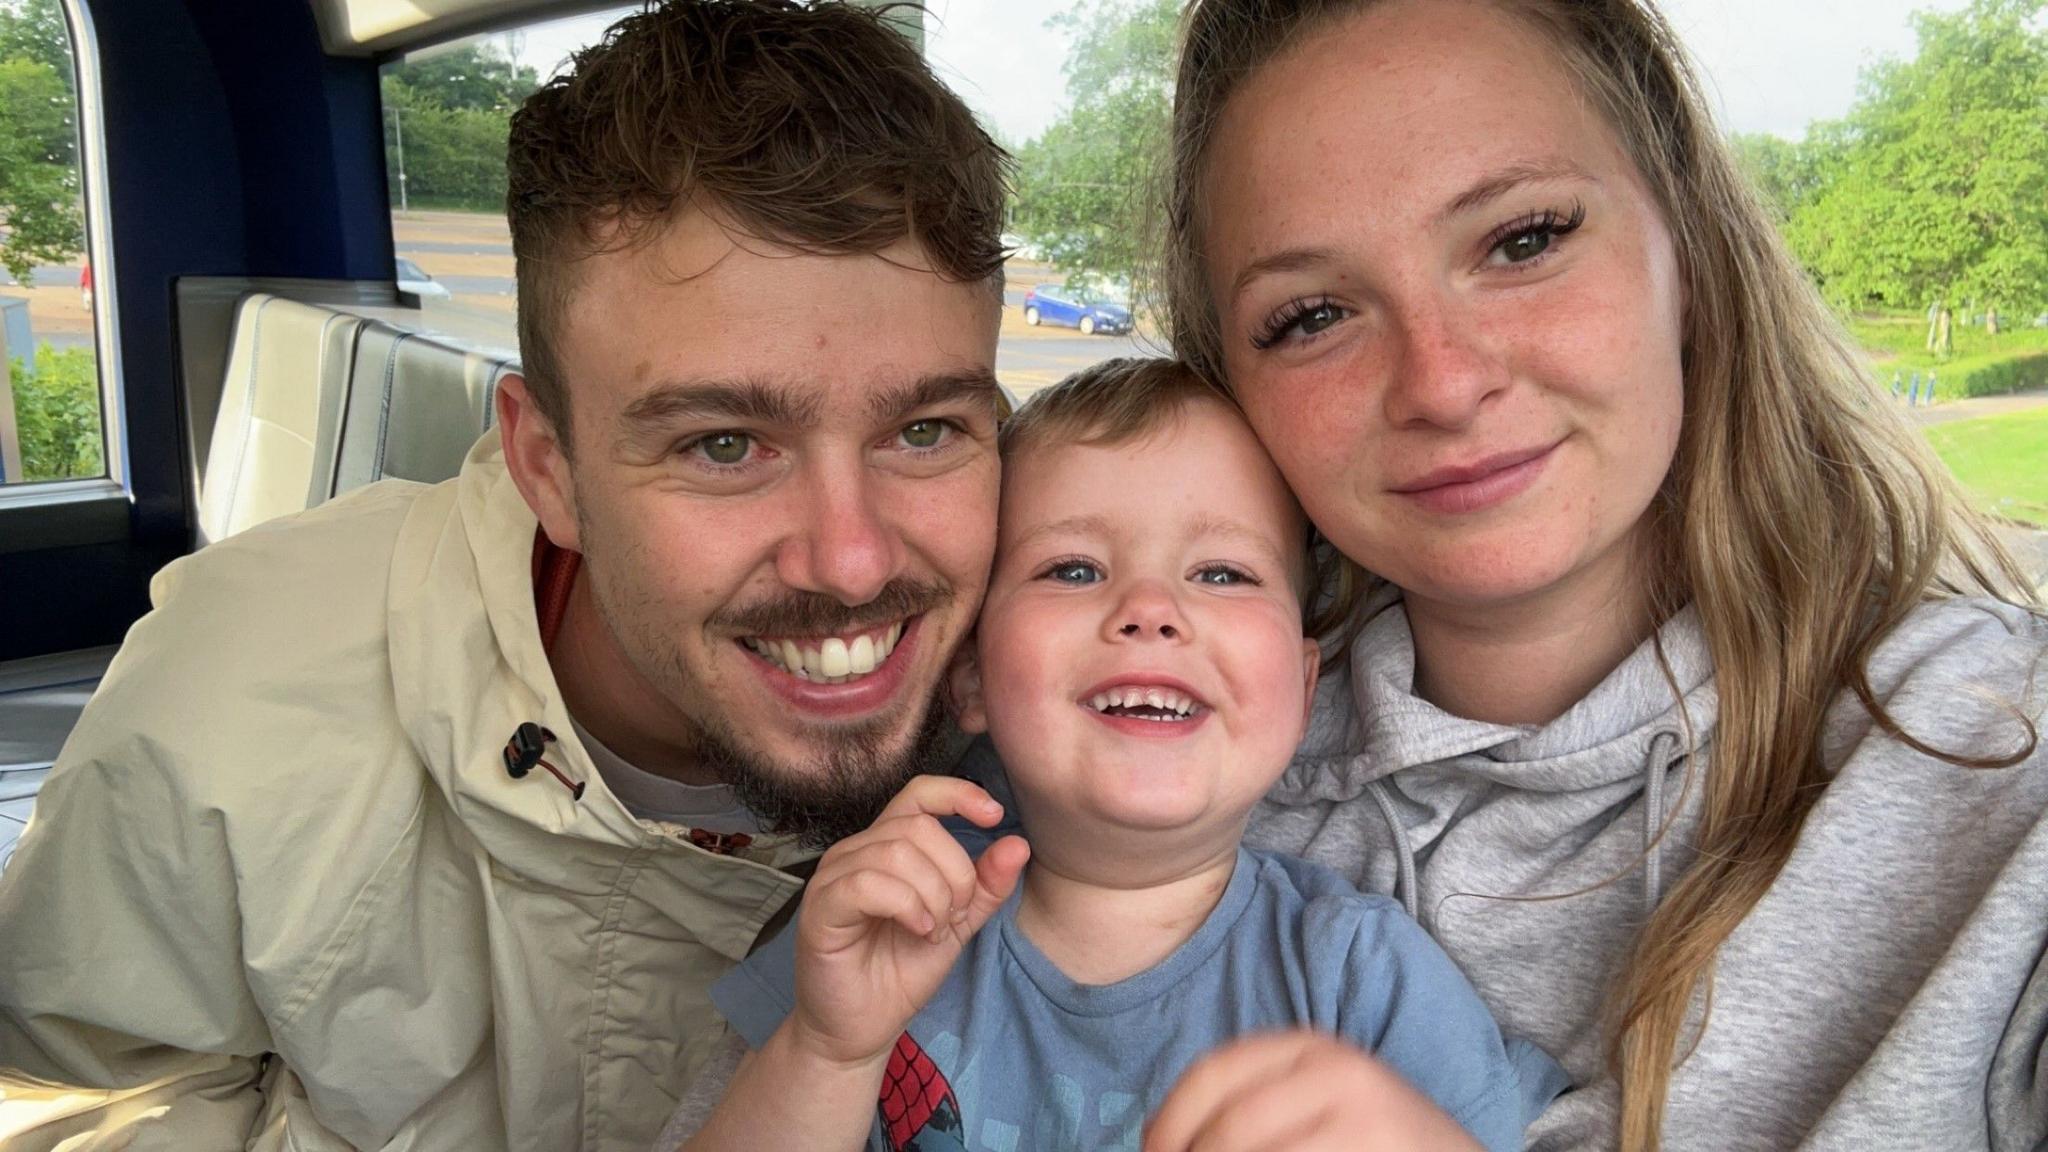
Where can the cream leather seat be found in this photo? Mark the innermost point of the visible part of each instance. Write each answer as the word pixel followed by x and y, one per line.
pixel 280 411
pixel 316 401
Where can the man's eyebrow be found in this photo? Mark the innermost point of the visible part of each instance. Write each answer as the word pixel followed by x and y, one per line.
pixel 1494 185
pixel 978 384
pixel 748 401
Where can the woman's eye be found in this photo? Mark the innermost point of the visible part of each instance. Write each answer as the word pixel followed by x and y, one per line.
pixel 725 448
pixel 1523 240
pixel 1526 245
pixel 1316 319
pixel 925 433
pixel 1074 572
pixel 1299 320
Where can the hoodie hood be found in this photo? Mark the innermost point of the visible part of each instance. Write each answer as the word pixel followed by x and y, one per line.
pixel 1369 724
pixel 1504 839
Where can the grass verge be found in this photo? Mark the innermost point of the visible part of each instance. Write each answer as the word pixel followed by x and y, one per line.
pixel 2002 460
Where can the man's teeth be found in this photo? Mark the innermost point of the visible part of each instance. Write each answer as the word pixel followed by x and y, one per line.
pixel 1164 704
pixel 832 660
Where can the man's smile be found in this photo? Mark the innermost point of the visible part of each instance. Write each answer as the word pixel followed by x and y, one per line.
pixel 829 659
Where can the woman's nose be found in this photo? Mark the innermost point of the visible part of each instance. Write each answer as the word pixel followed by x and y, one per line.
pixel 1446 371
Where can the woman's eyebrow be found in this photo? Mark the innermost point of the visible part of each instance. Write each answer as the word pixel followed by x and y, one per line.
pixel 1285 260
pixel 1496 184
pixel 1482 192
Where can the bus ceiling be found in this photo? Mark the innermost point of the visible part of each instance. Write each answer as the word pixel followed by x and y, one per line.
pixel 375 27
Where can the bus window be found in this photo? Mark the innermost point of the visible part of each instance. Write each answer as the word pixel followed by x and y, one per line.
pixel 446 113
pixel 447 110
pixel 51 425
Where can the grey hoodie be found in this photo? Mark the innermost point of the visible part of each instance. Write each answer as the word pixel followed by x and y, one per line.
pixel 1888 992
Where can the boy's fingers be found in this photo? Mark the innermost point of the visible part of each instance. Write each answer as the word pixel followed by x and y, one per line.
pixel 995 877
pixel 905 861
pixel 1215 1081
pixel 945 853
pixel 862 896
pixel 944 796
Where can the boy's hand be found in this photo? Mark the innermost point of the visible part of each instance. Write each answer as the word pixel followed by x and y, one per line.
pixel 887 913
pixel 1302 1092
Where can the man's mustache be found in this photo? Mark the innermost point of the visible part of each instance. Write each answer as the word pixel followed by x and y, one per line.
pixel 816 614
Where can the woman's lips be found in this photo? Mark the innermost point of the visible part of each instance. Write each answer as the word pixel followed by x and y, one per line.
pixel 1482 484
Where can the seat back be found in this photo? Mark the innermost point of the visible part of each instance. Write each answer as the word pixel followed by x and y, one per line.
pixel 416 405
pixel 282 399
pixel 317 398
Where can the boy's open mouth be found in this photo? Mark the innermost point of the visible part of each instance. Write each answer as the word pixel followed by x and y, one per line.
pixel 1158 703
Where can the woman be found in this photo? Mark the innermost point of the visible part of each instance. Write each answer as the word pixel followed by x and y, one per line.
pixel 1691 709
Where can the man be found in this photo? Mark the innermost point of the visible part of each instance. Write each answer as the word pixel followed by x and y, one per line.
pixel 424 820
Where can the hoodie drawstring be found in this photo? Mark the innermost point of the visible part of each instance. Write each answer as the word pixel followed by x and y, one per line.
pixel 1404 851
pixel 1654 767
pixel 1656 762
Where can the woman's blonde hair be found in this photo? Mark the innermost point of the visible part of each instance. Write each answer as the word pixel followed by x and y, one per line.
pixel 1802 516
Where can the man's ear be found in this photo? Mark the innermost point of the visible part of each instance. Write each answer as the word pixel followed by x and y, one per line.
pixel 1311 671
pixel 538 461
pixel 963 690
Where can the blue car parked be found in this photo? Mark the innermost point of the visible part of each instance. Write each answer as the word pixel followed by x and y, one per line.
pixel 1076 306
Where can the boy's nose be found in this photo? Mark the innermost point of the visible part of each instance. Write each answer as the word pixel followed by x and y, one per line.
pixel 1148 611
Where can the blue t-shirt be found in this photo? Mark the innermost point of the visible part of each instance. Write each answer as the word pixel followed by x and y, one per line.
pixel 1012 1056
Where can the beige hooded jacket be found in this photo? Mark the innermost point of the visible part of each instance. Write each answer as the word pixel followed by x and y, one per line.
pixel 280 891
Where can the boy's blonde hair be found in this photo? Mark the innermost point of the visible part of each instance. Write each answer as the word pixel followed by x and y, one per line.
pixel 1114 402
pixel 1131 397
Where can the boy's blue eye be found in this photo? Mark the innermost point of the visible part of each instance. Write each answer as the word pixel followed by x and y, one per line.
pixel 1074 572
pixel 1222 576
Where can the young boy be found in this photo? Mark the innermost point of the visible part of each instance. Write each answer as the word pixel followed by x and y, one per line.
pixel 1141 670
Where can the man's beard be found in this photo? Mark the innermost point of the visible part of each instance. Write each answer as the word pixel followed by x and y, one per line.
pixel 854 776
pixel 825 801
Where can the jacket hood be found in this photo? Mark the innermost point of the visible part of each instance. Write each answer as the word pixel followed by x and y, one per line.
pixel 465 680
pixel 1369 723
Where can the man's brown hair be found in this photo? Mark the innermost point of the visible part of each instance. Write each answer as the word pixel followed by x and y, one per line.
pixel 816 127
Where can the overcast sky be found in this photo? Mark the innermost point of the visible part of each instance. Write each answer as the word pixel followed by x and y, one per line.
pixel 1775 65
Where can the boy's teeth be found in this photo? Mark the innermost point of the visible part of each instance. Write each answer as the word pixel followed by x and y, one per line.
pixel 832 660
pixel 1178 704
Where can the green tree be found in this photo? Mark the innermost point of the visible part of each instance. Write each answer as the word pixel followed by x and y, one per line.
pixel 1083 186
pixel 453 111
pixel 475 76
pixel 57 414
pixel 1931 186
pixel 35 30
pixel 1789 173
pixel 40 210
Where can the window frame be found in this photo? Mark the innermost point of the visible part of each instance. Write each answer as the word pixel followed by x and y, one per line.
pixel 64 513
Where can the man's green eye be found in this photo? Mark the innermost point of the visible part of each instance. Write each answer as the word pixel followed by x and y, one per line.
pixel 924 434
pixel 726 447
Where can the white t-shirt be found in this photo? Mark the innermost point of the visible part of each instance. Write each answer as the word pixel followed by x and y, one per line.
pixel 649 796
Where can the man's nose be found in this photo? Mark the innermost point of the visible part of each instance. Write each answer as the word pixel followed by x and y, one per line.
pixel 1446 369
pixel 844 545
pixel 1147 611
